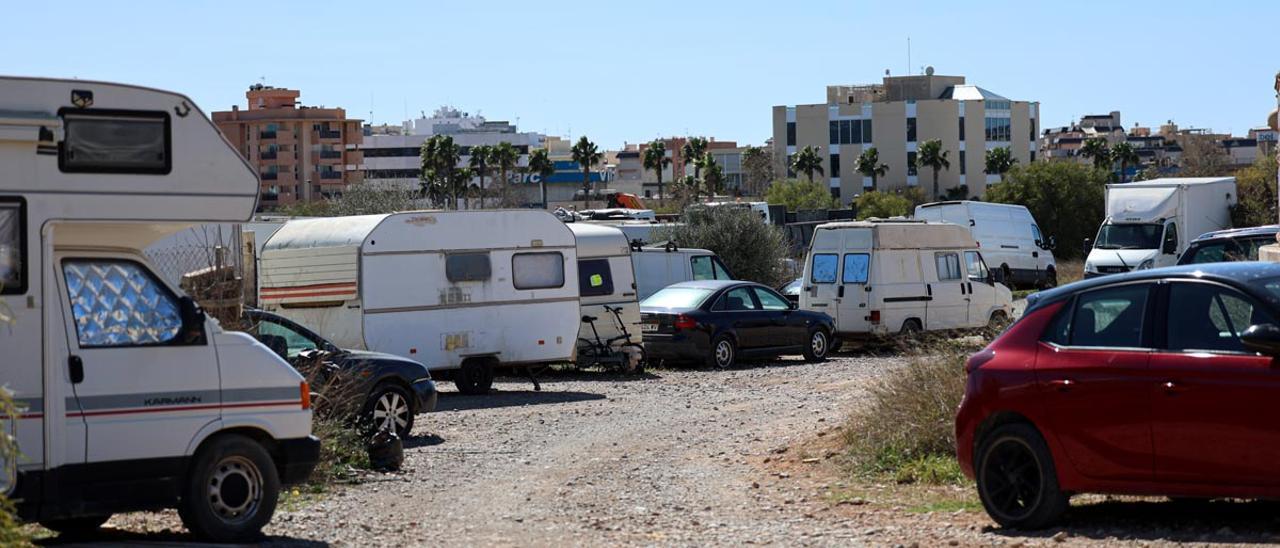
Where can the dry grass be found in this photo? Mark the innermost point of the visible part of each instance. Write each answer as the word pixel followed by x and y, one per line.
pixel 1070 271
pixel 12 533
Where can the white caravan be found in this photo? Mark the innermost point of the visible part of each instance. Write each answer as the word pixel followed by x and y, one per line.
pixel 660 266
pixel 883 277
pixel 1150 223
pixel 1008 236
pixel 129 397
pixel 460 291
pixel 606 278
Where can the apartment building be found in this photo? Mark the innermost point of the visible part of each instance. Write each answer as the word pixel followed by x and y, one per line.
pixel 633 177
pixel 896 116
pixel 300 153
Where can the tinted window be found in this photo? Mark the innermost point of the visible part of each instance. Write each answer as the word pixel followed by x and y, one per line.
pixel 948 265
pixel 770 300
pixel 595 278
pixel 467 267
pixel 738 299
pixel 677 298
pixel 824 268
pixel 537 270
pixel 295 341
pixel 115 143
pixel 1111 317
pixel 1209 317
pixel 856 266
pixel 12 261
pixel 117 303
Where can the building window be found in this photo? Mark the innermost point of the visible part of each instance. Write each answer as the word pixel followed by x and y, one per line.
pixel 962 162
pixel 962 128
pixel 791 134
pixel 790 172
pixel 835 192
pixel 866 131
pixel 911 130
pixel 846 131
pixel 999 129
pixel 911 164
pixel 855 129
pixel 835 131
pixel 1033 156
pixel 1032 130
pixel 835 165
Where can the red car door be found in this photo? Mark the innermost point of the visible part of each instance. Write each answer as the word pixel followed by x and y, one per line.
pixel 1092 368
pixel 1213 401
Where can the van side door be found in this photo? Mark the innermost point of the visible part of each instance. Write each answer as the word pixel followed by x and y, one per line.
pixel 949 304
pixel 982 292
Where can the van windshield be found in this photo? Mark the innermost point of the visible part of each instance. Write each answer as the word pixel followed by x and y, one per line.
pixel 679 298
pixel 1129 236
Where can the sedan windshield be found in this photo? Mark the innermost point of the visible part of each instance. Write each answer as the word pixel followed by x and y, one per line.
pixel 1129 236
pixel 677 298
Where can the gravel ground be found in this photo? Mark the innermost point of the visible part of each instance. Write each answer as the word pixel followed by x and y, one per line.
pixel 677 457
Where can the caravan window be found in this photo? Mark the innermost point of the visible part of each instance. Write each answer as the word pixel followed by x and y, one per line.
pixel 106 141
pixel 595 278
pixel 118 303
pixel 467 267
pixel 948 266
pixel 824 268
pixel 537 270
pixel 13 264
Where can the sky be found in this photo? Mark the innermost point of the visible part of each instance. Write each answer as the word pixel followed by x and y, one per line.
pixel 623 72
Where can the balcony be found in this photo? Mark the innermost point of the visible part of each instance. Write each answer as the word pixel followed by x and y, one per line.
pixel 328 154
pixel 266 135
pixel 330 134
pixel 268 155
pixel 270 176
pixel 330 174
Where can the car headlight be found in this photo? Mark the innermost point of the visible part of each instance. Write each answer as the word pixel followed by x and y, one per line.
pixel 1088 266
pixel 1146 264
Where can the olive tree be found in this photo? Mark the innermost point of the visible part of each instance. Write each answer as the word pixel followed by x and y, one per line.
pixel 752 250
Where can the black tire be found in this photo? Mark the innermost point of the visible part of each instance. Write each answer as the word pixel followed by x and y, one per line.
pixel 1017 481
pixel 475 377
pixel 818 345
pixel 1006 275
pixel 911 327
pixel 1050 278
pixel 80 527
pixel 724 352
pixel 998 318
pixel 390 403
pixel 231 491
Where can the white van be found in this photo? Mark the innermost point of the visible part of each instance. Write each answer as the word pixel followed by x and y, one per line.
pixel 606 278
pixel 129 397
pixel 462 292
pixel 1008 236
pixel 660 266
pixel 882 277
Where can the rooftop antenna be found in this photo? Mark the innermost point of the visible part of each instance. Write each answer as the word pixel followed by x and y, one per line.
pixel 908 55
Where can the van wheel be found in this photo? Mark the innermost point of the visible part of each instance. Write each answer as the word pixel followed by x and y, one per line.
pixel 1050 278
pixel 723 352
pixel 911 328
pixel 475 377
pixel 390 407
pixel 818 347
pixel 231 492
pixel 1006 275
pixel 1017 481
pixel 76 527
pixel 998 319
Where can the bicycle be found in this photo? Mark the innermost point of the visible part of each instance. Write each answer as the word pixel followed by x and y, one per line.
pixel 616 352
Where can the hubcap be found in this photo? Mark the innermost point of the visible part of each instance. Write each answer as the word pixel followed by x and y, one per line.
pixel 724 353
pixel 235 489
pixel 1011 479
pixel 391 412
pixel 819 344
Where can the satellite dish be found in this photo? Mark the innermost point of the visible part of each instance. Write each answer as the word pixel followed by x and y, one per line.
pixel 928 71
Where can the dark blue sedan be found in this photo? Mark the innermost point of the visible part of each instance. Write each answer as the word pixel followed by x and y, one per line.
pixel 718 321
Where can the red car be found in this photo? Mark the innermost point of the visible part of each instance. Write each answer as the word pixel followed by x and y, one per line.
pixel 1156 382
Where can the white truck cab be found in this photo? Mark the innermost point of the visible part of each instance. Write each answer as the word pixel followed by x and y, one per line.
pixel 129 397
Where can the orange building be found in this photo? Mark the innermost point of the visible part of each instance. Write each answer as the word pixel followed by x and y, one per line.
pixel 300 153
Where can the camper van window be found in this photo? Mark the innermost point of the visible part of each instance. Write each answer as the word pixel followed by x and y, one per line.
pixel 974 264
pixel 948 266
pixel 537 270
pixel 115 142
pixel 118 303
pixel 856 266
pixel 595 278
pixel 467 267
pixel 13 263
pixel 824 268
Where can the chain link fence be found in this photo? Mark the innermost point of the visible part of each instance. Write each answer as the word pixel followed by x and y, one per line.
pixel 208 262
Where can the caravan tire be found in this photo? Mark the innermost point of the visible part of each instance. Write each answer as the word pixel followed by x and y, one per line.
pixel 231 492
pixel 76 527
pixel 475 377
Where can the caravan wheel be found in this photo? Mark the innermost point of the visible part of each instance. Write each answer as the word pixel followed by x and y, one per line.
pixel 475 377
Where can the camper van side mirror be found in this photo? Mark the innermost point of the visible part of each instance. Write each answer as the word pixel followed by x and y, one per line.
pixel 192 320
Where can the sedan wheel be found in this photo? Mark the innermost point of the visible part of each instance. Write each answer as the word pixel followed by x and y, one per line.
pixel 391 410
pixel 1016 479
pixel 723 352
pixel 819 345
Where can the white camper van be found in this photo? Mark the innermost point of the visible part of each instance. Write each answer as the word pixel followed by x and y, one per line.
pixel 129 397
pixel 883 277
pixel 1150 223
pixel 460 291
pixel 660 266
pixel 606 277
pixel 1008 236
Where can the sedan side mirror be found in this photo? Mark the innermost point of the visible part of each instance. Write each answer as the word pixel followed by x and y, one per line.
pixel 1262 338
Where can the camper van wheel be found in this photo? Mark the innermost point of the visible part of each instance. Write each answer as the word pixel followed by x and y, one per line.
pixel 390 406
pixel 475 377
pixel 911 327
pixel 75 527
pixel 819 346
pixel 998 319
pixel 231 492
pixel 723 352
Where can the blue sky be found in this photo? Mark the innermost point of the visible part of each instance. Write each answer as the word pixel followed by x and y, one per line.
pixel 631 71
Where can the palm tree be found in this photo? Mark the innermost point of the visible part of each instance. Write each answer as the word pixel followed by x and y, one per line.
pixel 430 184
pixel 693 151
pixel 713 177
pixel 869 166
pixel 1126 155
pixel 541 164
pixel 506 157
pixel 480 157
pixel 655 158
pixel 1096 150
pixel 439 157
pixel 932 156
pixel 999 161
pixel 808 161
pixel 586 155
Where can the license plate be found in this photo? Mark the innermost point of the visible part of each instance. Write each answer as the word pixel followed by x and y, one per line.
pixel 648 328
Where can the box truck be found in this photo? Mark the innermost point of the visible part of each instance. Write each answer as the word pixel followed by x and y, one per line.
pixel 1150 223
pixel 129 397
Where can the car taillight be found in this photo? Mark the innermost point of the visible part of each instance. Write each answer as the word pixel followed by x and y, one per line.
pixel 306 395
pixel 977 360
pixel 874 317
pixel 684 322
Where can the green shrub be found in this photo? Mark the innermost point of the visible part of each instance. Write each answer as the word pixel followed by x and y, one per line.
pixel 752 250
pixel 1067 200
pixel 799 195
pixel 883 205
pixel 1256 192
